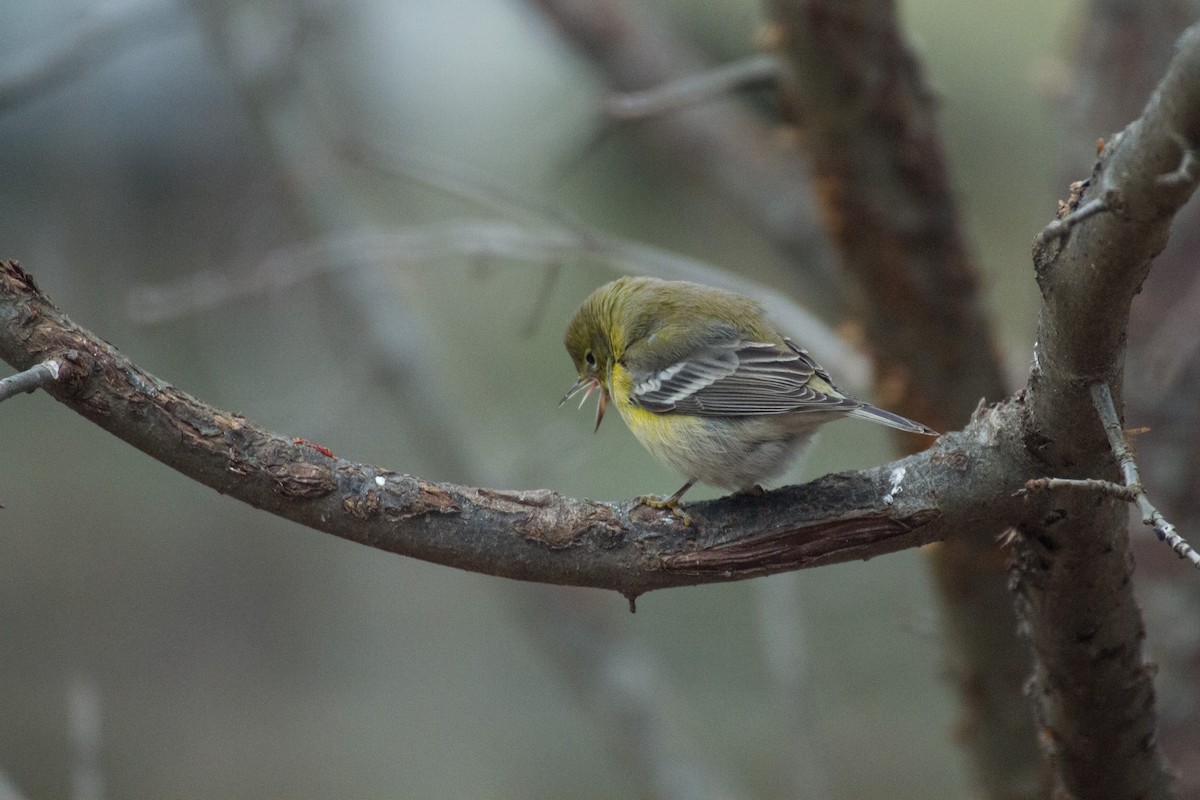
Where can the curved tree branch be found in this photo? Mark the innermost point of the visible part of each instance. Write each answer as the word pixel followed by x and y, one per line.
pixel 529 535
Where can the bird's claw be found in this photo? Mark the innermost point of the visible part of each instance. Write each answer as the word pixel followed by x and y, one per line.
pixel 667 504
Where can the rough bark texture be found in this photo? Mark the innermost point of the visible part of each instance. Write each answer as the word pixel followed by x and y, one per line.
pixel 1122 50
pixel 1093 691
pixel 529 535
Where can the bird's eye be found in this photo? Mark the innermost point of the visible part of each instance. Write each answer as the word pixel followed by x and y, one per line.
pixel 591 359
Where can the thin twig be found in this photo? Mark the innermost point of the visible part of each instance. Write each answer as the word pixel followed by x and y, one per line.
pixel 787 653
pixel 1131 491
pixel 1060 228
pixel 454 179
pixel 1126 493
pixel 1186 175
pixel 401 246
pixel 1188 171
pixel 723 141
pixel 1151 516
pixel 692 89
pixel 39 376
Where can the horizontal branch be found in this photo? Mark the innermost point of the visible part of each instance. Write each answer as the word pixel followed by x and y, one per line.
pixel 692 89
pixel 543 243
pixel 530 535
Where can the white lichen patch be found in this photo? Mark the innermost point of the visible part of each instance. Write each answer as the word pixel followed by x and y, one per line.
pixel 895 480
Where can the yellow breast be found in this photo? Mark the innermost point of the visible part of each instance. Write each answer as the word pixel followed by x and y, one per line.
pixel 736 452
pixel 659 433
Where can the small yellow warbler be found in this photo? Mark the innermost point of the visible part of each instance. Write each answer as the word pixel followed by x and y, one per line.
pixel 705 383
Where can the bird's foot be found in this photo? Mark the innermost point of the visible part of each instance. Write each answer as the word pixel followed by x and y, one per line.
pixel 666 503
pixel 753 490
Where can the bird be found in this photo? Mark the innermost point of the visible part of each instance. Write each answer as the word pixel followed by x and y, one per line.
pixel 705 382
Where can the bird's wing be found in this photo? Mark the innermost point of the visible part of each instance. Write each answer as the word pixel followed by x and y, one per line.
pixel 735 377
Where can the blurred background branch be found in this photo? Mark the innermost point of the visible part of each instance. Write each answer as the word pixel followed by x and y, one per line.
pixel 868 121
pixel 103 32
pixel 489 242
pixel 722 140
pixel 8 791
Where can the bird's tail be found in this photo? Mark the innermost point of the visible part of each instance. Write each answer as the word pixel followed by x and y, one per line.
pixel 870 412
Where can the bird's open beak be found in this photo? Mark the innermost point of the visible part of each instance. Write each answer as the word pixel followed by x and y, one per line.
pixel 590 383
pixel 601 404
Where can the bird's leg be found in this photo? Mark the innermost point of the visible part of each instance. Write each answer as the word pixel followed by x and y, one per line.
pixel 753 490
pixel 669 503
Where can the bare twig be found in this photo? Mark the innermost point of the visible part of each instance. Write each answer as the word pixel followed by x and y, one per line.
pixel 1183 178
pixel 455 179
pixel 39 376
pixel 1081 484
pixel 1185 175
pixel 1061 227
pixel 695 88
pixel 724 141
pixel 546 231
pixel 544 245
pixel 1102 398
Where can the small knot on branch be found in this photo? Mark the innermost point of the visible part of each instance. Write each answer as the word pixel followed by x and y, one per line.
pixel 1112 200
